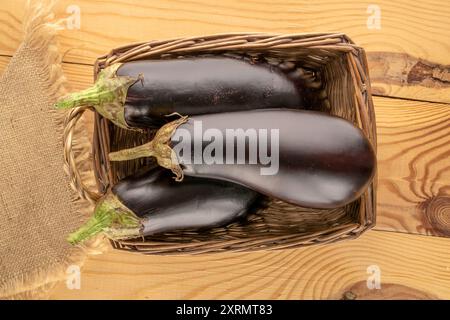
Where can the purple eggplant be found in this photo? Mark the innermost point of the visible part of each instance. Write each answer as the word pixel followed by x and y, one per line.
pixel 305 158
pixel 142 94
pixel 152 202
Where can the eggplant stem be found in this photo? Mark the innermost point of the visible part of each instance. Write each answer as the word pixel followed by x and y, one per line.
pixel 109 213
pixel 159 148
pixel 143 151
pixel 123 233
pixel 107 95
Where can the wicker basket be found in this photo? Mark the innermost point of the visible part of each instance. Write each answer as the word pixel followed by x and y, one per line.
pixel 335 71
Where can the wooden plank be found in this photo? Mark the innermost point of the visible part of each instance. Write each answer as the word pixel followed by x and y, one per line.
pixel 404 76
pixel 408 53
pixel 413 166
pixel 410 266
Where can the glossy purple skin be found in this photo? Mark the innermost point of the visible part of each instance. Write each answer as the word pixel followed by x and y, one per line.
pixel 324 161
pixel 165 205
pixel 192 86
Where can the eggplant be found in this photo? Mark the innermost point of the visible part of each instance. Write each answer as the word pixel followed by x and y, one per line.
pixel 152 202
pixel 305 158
pixel 142 94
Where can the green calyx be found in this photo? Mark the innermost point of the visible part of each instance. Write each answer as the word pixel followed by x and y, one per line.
pixel 109 214
pixel 107 95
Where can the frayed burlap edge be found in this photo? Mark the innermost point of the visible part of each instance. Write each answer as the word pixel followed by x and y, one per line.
pixel 40 36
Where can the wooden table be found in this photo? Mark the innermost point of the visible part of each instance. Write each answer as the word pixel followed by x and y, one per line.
pixel 408 47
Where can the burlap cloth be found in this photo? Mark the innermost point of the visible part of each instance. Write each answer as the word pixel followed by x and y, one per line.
pixel 37 206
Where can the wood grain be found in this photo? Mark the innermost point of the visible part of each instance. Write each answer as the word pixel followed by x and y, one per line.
pixel 404 76
pixel 391 291
pixel 413 166
pixel 410 34
pixel 411 266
